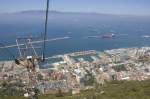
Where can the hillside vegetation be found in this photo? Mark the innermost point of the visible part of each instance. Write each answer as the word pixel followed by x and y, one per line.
pixel 111 90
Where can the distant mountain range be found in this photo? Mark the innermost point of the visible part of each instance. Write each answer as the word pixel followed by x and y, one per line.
pixel 37 12
pixel 59 12
pixel 42 12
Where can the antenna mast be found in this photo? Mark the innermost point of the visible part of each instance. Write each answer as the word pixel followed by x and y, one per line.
pixel 45 31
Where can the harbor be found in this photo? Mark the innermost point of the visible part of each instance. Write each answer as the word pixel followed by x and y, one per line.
pixel 70 71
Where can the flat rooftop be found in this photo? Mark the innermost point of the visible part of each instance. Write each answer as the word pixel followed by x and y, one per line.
pixel 50 61
pixel 89 57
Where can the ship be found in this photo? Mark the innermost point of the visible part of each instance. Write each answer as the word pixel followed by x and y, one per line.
pixel 111 35
pixel 146 36
pixel 108 35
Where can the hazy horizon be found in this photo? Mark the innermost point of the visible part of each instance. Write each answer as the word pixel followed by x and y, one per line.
pixel 117 7
pixel 56 11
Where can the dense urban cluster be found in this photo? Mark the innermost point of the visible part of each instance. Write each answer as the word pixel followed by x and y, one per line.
pixel 77 71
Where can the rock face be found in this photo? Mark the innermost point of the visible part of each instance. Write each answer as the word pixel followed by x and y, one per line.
pixel 12 71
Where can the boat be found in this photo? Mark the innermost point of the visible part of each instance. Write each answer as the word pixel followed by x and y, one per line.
pixel 108 35
pixel 146 36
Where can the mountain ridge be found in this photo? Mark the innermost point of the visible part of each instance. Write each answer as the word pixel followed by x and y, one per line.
pixel 61 12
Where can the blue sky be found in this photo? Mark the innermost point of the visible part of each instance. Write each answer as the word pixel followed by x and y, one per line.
pixel 134 7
